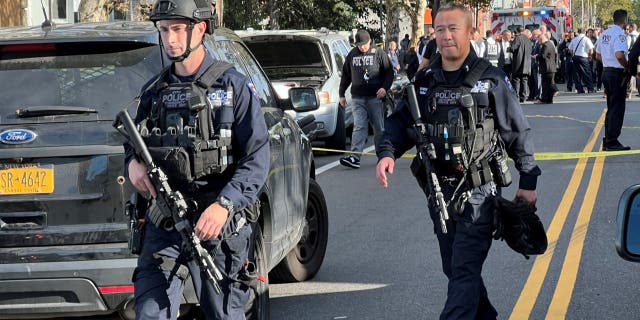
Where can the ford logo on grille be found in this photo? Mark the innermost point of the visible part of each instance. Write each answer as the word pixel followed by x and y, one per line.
pixel 17 136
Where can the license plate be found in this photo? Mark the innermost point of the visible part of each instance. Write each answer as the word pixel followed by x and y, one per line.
pixel 26 180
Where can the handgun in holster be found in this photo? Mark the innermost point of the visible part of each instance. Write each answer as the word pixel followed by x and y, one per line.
pixel 135 209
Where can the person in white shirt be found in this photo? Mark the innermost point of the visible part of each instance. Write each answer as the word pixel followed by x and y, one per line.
pixel 612 50
pixel 632 36
pixel 504 53
pixel 478 44
pixel 491 48
pixel 581 47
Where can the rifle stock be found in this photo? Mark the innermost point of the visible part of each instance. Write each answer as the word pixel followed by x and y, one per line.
pixel 426 152
pixel 170 202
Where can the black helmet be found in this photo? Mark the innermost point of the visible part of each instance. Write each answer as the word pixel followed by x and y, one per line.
pixel 194 10
pixel 520 227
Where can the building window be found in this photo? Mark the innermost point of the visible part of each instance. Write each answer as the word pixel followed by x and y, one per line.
pixel 59 9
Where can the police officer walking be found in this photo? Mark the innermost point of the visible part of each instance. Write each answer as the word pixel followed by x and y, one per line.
pixel 367 69
pixel 470 112
pixel 179 108
pixel 612 51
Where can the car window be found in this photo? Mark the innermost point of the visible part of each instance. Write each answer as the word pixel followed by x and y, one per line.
pixel 346 46
pixel 221 50
pixel 236 54
pixel 260 81
pixel 287 59
pixel 338 54
pixel 287 53
pixel 82 74
pixel 327 54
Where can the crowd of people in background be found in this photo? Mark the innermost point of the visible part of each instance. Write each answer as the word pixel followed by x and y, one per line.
pixel 533 60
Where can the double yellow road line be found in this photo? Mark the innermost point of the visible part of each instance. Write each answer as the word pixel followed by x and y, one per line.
pixel 566 282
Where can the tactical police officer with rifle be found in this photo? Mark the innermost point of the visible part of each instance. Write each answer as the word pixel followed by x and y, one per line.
pixel 201 154
pixel 465 120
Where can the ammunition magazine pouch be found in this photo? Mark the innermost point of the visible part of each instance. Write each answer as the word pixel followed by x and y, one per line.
pixel 460 127
pixel 183 165
pixel 180 132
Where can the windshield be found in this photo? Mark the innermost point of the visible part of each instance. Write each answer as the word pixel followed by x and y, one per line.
pixel 104 76
pixel 303 59
pixel 288 54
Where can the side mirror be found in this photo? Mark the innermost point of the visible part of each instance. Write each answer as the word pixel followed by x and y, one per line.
pixel 303 99
pixel 628 224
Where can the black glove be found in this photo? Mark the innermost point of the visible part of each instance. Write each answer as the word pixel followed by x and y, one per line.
pixel 519 225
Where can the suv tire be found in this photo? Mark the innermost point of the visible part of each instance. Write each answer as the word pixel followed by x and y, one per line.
pixel 304 261
pixel 339 138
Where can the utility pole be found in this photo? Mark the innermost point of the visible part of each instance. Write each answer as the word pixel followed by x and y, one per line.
pixel 582 14
pixel 382 33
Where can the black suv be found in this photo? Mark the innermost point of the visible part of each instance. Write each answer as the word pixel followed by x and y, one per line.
pixel 63 231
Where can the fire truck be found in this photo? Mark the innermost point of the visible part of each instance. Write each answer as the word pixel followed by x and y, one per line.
pixel 557 20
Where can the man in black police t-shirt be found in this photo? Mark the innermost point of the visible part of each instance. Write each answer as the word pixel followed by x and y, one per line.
pixel 369 72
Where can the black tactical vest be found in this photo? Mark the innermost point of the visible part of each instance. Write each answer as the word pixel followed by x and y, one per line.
pixel 180 131
pixel 458 122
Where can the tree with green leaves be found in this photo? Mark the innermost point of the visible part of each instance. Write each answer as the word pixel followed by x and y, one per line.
pixel 605 9
pixel 99 10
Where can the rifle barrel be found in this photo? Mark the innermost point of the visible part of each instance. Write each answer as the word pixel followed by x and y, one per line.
pixel 413 103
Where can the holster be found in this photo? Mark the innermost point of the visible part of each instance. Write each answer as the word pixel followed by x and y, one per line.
pixel 135 209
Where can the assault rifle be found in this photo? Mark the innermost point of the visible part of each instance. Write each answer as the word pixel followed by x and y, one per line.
pixel 426 152
pixel 171 203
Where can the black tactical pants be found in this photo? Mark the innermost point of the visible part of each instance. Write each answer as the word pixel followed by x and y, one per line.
pixel 463 250
pixel 160 276
pixel 616 98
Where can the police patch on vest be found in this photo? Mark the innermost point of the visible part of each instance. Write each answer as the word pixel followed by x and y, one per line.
pixel 174 98
pixel 481 87
pixel 217 97
pixel 447 97
pixel 423 90
pixel 253 90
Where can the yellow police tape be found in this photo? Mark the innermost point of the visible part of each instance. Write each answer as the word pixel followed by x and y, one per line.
pixel 539 156
pixel 572 119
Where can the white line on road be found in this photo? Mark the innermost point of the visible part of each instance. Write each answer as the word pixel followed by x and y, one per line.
pixel 336 163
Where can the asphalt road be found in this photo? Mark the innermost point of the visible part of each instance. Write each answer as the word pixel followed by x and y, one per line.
pixel 382 260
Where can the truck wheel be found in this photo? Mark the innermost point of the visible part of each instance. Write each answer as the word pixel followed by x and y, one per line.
pixel 258 306
pixel 339 138
pixel 304 261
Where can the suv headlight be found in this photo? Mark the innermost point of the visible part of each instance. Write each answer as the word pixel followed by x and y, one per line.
pixel 324 97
